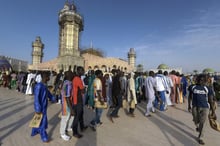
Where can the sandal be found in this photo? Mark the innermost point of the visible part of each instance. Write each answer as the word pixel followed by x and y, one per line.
pixel 201 142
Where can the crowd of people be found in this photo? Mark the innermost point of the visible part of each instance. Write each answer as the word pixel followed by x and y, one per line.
pixel 74 89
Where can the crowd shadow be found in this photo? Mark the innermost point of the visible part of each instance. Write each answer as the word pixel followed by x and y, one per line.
pixel 5 101
pixel 13 112
pixel 21 110
pixel 54 121
pixel 11 105
pixel 176 131
pixel 10 128
pixel 177 108
pixel 89 136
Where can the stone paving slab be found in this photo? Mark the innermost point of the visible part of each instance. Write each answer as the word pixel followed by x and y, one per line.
pixel 171 128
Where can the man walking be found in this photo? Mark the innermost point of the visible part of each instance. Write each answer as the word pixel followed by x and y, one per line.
pixel 66 104
pixel 97 84
pixel 202 98
pixel 161 87
pixel 77 95
pixel 117 94
pixel 150 84
pixel 41 95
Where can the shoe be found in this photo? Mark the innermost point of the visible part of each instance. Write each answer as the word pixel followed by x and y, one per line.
pixel 65 137
pixel 34 133
pixel 111 119
pixel 112 106
pixel 165 108
pixel 200 141
pixel 92 127
pixel 78 135
pixel 131 115
pixel 69 130
pixel 147 115
pixel 99 124
pixel 45 140
pixel 153 110
pixel 84 128
pixel 117 116
pixel 189 109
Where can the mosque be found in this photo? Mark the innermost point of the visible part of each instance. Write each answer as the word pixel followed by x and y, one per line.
pixel 69 55
pixel 165 67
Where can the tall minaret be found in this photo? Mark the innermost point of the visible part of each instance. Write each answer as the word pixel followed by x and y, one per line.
pixel 132 58
pixel 37 51
pixel 70 26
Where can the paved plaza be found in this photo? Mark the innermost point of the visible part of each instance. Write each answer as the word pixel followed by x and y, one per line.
pixel 171 128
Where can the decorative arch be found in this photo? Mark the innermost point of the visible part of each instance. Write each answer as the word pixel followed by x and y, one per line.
pixel 104 68
pixel 109 69
pixel 114 66
pixel 96 67
pixel 89 68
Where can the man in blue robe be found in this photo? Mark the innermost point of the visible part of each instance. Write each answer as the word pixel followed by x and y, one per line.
pixel 41 93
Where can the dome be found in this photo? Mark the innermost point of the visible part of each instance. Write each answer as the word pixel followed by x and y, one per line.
pixel 208 70
pixel 162 66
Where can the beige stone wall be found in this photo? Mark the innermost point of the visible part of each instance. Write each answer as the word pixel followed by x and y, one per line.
pixel 96 62
pixel 49 65
pixel 90 62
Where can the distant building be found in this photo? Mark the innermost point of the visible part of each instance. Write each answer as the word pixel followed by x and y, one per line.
pixel 70 26
pixel 165 67
pixel 139 68
pixel 16 64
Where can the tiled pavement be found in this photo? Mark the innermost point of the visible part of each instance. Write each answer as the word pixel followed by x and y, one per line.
pixel 171 128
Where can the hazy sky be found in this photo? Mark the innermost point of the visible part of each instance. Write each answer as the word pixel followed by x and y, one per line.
pixel 179 33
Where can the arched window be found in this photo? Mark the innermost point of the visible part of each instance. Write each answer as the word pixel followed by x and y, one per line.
pixel 104 68
pixel 96 67
pixel 109 69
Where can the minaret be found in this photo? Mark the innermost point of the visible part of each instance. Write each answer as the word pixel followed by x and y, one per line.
pixel 37 51
pixel 70 26
pixel 132 58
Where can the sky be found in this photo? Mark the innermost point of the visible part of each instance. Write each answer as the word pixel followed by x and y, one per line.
pixel 179 33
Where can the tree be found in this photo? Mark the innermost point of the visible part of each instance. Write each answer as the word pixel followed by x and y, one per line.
pixel 195 71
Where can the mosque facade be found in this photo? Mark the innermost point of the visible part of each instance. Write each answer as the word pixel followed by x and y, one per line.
pixel 69 55
pixel 165 67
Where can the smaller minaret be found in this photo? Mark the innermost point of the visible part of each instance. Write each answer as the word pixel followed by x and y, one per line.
pixel 37 51
pixel 132 58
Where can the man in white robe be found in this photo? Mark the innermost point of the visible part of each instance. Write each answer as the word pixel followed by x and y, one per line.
pixel 150 85
pixel 29 82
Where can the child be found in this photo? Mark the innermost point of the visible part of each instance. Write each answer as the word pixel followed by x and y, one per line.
pixel 67 110
pixel 41 93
